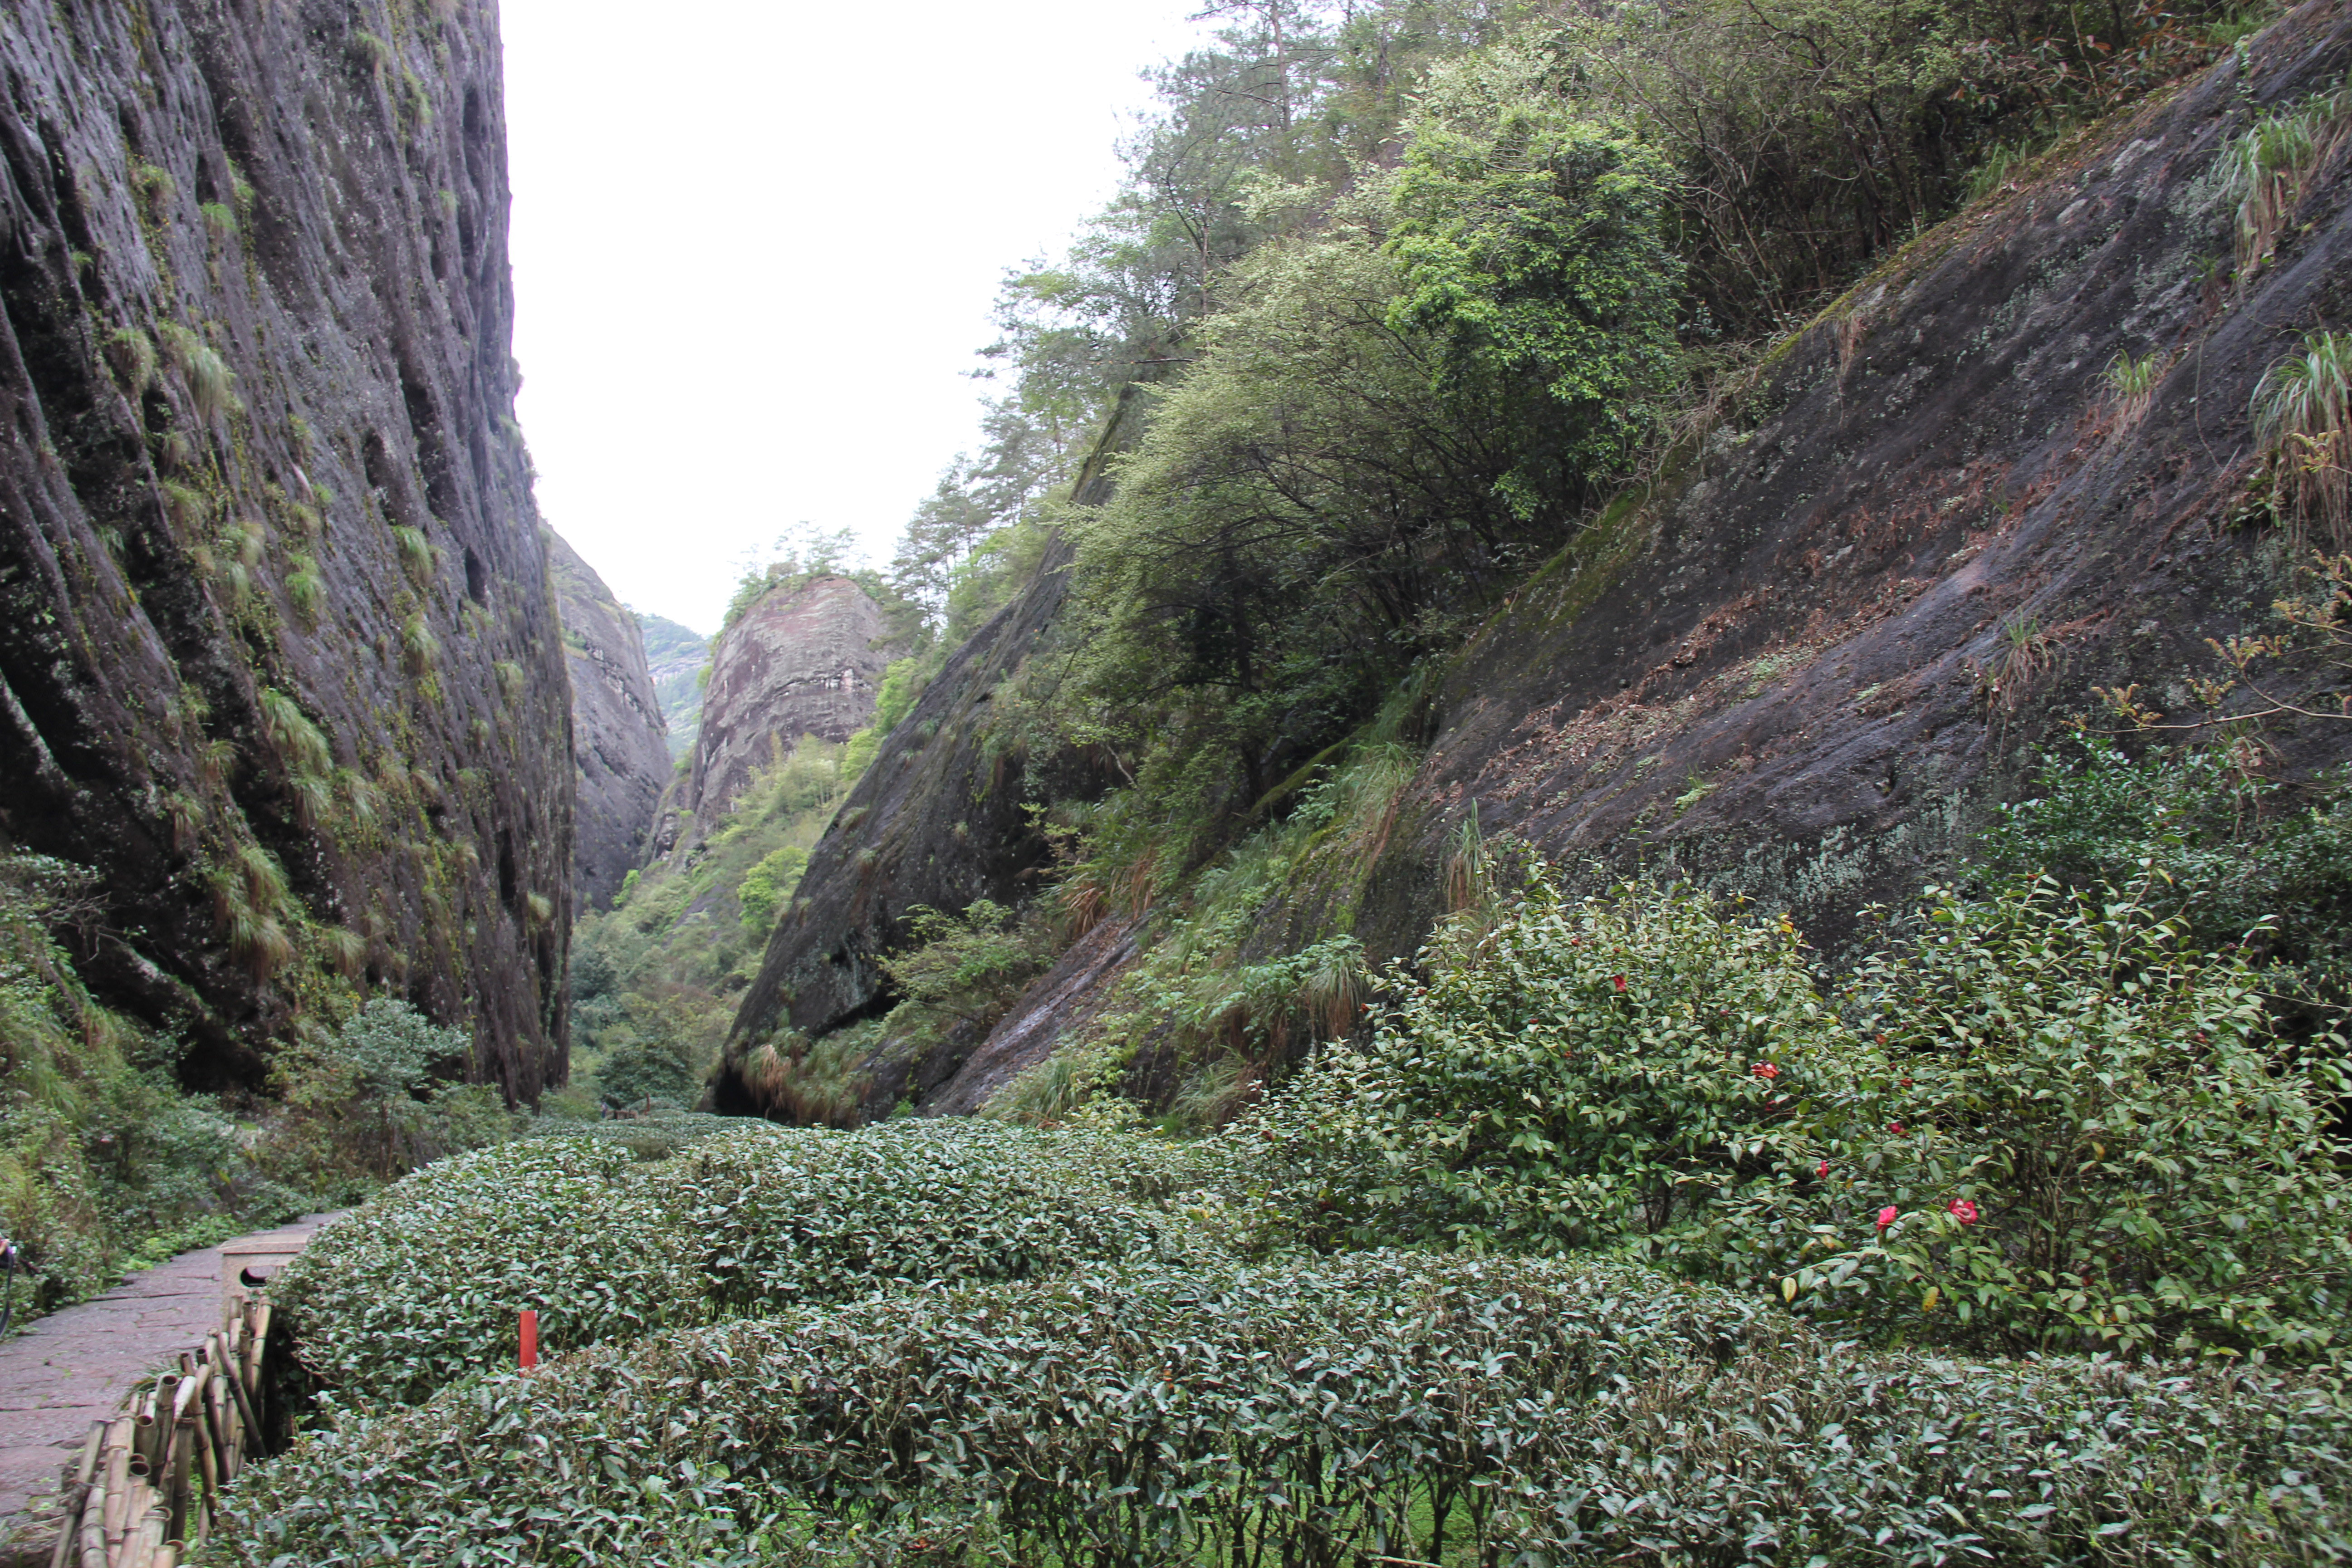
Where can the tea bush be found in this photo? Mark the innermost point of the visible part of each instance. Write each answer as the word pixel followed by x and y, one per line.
pixel 825 1216
pixel 422 1286
pixel 1379 1406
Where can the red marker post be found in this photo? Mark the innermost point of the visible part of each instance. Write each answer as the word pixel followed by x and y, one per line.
pixel 529 1339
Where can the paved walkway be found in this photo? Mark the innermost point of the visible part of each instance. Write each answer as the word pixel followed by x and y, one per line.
pixel 74 1366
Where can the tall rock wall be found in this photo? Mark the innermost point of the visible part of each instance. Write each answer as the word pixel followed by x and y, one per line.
pixel 936 819
pixel 620 748
pixel 1797 669
pixel 799 661
pixel 280 655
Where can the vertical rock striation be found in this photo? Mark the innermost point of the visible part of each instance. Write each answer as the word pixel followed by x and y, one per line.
pixel 620 750
pixel 280 658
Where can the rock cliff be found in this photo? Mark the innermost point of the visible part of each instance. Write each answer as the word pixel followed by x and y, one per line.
pixel 1798 663
pixel 280 654
pixel 800 661
pixel 1931 531
pixel 676 657
pixel 937 819
pixel 620 750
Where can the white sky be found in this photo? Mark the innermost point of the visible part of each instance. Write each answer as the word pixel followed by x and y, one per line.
pixel 755 245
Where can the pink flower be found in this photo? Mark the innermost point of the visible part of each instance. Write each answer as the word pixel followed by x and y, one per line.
pixel 1618 981
pixel 1886 1216
pixel 1963 1211
pixel 1766 1071
pixel 1824 1169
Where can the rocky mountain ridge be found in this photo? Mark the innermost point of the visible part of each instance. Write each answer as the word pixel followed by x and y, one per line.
pixel 806 660
pixel 281 656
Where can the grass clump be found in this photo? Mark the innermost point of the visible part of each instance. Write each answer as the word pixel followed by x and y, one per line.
pixel 211 384
pixel 420 651
pixel 132 352
pixel 417 557
pixel 2302 416
pixel 2266 168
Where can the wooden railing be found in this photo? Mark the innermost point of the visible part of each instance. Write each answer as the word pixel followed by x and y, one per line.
pixel 147 1486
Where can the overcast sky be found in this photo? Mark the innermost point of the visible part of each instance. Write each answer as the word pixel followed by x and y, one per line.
pixel 755 245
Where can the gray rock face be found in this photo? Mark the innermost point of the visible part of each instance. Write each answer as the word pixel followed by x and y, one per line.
pixel 279 654
pixel 619 749
pixel 936 819
pixel 676 657
pixel 1935 530
pixel 805 662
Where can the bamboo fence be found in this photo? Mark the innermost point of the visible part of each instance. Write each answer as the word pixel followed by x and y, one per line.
pixel 147 1486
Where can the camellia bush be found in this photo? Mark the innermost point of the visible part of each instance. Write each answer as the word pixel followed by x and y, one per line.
pixel 2037 1120
pixel 1373 1408
pixel 2061 1124
pixel 1590 1068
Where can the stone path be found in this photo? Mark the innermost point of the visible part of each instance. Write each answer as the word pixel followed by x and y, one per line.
pixel 74 1366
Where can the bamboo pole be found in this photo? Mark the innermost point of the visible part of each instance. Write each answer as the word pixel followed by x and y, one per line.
pixel 256 1316
pixel 93 1534
pixel 224 1426
pixel 183 1445
pixel 251 1424
pixel 137 1500
pixel 77 1497
pixel 145 1437
pixel 153 1526
pixel 207 1467
pixel 112 1513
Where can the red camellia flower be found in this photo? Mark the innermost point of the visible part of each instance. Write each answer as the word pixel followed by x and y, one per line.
pixel 1963 1211
pixel 1824 1169
pixel 1766 1071
pixel 1886 1216
pixel 1618 981
pixel 1896 1128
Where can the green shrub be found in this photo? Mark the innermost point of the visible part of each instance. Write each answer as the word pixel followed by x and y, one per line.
pixel 368 1104
pixel 423 1285
pixel 648 1064
pixel 2227 862
pixel 103 1159
pixel 1385 1407
pixel 1588 1068
pixel 768 884
pixel 970 965
pixel 825 1216
pixel 2087 1136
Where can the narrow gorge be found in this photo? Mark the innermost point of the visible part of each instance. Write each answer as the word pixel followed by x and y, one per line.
pixel 1605 817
